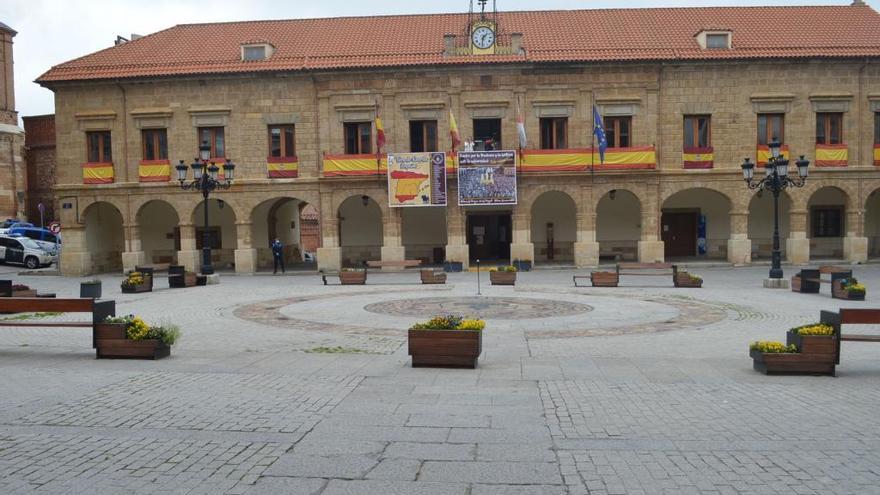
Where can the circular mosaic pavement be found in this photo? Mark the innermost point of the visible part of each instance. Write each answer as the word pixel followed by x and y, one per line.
pixel 495 308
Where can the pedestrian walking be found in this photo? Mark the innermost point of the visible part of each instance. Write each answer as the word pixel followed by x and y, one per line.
pixel 277 255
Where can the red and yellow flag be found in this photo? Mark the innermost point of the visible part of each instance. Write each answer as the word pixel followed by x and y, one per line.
pixel 453 131
pixel 380 133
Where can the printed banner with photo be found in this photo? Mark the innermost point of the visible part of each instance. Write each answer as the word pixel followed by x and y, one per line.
pixel 486 178
pixel 416 179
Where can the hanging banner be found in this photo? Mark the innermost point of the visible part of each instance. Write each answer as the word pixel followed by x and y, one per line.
pixel 486 178
pixel 416 179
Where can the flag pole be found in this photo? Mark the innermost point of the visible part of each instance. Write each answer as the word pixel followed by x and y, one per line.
pixel 378 148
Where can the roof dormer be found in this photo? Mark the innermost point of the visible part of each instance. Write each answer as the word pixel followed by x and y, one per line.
pixel 715 39
pixel 255 51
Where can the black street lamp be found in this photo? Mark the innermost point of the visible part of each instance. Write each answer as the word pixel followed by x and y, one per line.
pixel 776 181
pixel 205 181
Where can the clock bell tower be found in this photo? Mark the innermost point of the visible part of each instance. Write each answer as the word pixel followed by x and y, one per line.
pixel 483 30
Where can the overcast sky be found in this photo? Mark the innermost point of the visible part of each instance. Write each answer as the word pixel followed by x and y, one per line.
pixel 54 31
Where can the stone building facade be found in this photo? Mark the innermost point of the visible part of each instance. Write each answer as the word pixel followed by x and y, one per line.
pixel 13 177
pixel 685 105
pixel 41 163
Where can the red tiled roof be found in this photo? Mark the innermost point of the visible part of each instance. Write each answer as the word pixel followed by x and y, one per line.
pixel 548 36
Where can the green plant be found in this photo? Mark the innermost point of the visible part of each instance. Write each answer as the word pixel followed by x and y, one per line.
pixel 814 329
pixel 137 329
pixel 31 316
pixel 852 286
pixel 771 347
pixel 133 279
pixel 167 332
pixel 450 322
pixel 508 268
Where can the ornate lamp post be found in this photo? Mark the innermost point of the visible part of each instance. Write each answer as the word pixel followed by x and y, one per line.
pixel 776 180
pixel 205 181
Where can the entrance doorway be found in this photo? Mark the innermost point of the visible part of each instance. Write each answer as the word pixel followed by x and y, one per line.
pixel 679 233
pixel 488 236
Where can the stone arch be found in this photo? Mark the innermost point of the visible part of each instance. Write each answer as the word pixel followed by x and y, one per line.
pixel 554 226
pixel 674 188
pixel 826 208
pixel 760 223
pixel 872 223
pixel 533 192
pixel 695 221
pixel 618 224
pixel 803 196
pixel 360 221
pixel 277 217
pixel 222 228
pixel 423 233
pixel 158 230
pixel 104 236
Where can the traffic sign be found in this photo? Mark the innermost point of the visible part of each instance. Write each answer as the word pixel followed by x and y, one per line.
pixel 55 227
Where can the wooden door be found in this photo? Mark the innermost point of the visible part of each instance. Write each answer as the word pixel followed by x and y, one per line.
pixel 679 233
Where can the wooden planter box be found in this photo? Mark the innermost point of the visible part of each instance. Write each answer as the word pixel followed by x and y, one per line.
pixel 182 280
pixel 432 277
pixel 685 280
pixel 795 283
pixel 502 278
pixel 792 363
pixel 111 343
pixel 144 287
pixel 353 278
pixel 604 279
pixel 24 293
pixel 813 344
pixel 838 292
pixel 445 348
pixel 90 290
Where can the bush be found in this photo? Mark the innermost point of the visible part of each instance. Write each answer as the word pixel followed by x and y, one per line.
pixel 450 322
pixel 771 347
pixel 814 329
pixel 137 329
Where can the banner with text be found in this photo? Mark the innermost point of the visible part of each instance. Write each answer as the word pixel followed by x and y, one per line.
pixel 416 179
pixel 486 178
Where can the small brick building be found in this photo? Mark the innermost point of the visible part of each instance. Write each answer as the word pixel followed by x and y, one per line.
pixel 41 161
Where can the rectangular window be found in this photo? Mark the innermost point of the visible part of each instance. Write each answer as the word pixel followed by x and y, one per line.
pixel 487 134
pixel 215 139
pixel 155 144
pixel 99 147
pixel 281 141
pixel 697 131
pixel 717 41
pixel 254 52
pixel 771 125
pixel 877 128
pixel 422 135
pixel 827 221
pixel 358 138
pixel 617 131
pixel 554 133
pixel 829 128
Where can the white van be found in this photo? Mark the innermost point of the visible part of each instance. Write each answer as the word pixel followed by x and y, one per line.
pixel 23 251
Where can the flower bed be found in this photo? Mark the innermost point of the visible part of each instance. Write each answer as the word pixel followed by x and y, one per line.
pixel 21 290
pixel 446 342
pixel 136 282
pixel 848 288
pixel 352 276
pixel 431 276
pixel 685 279
pixel 504 275
pixel 130 337
pixel 778 358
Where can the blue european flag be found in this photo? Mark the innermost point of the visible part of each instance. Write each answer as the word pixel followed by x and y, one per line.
pixel 599 131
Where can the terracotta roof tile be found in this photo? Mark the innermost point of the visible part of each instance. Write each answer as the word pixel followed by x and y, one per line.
pixel 548 36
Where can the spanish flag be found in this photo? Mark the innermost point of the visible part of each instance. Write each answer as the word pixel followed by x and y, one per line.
pixel 453 131
pixel 380 133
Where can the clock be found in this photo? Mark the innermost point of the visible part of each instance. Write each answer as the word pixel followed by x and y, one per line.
pixel 483 37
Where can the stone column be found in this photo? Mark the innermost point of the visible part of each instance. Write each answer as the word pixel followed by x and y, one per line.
pixel 855 244
pixel 133 255
pixel 521 247
pixel 329 254
pixel 392 237
pixel 457 248
pixel 75 259
pixel 188 256
pixel 651 248
pixel 586 249
pixel 739 246
pixel 245 254
pixel 797 246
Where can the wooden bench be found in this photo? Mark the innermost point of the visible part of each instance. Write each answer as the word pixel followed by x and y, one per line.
pixel 99 310
pixel 611 279
pixel 809 280
pixel 851 316
pixel 394 263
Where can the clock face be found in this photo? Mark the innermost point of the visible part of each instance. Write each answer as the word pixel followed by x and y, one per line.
pixel 483 37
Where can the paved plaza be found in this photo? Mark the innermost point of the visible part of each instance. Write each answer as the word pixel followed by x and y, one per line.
pixel 283 385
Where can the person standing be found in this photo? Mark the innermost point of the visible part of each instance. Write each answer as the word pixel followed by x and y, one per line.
pixel 277 255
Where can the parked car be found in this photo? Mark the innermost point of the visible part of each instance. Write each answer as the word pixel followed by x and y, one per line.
pixel 46 239
pixel 24 251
